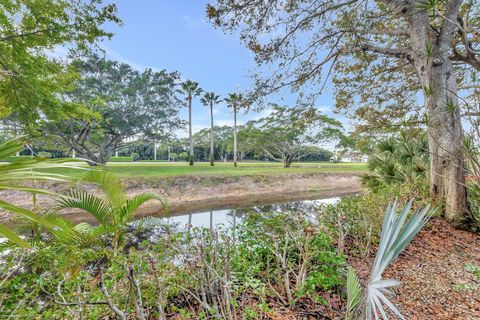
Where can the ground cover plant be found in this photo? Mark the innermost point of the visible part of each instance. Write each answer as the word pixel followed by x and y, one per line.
pixel 270 264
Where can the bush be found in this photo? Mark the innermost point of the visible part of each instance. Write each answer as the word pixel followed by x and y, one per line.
pixel 120 159
pixel 357 220
pixel 135 156
pixel 192 274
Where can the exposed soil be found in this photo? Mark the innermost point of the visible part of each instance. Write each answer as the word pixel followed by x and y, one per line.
pixel 437 274
pixel 191 193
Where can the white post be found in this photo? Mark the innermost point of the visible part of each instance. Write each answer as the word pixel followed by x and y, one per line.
pixel 169 157
pixel 155 150
pixel 116 154
pixel 73 154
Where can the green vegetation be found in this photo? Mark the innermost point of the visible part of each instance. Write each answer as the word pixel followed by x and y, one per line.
pixel 166 169
pixel 121 159
pixel 294 262
pixel 113 212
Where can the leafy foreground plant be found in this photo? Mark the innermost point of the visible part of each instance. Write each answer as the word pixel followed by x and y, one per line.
pixel 11 174
pixel 397 232
pixel 113 211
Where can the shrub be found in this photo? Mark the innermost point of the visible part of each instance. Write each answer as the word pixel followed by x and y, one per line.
pixel 358 219
pixel 135 156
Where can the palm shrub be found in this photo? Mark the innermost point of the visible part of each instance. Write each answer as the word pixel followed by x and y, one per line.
pixel 14 174
pixel 397 232
pixel 398 160
pixel 113 211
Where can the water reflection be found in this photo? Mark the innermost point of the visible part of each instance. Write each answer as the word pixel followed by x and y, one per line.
pixel 228 217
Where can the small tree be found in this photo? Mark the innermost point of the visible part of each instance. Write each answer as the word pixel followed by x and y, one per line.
pixel 183 155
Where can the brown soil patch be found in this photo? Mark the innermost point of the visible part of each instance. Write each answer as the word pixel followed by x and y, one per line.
pixel 434 270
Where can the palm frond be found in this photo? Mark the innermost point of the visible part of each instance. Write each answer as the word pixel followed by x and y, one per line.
pixel 27 214
pixel 397 232
pixel 11 147
pixel 354 293
pixel 131 205
pixel 13 237
pixel 79 199
pixel 110 185
pixel 80 234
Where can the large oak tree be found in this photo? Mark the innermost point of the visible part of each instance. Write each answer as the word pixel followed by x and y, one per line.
pixel 124 103
pixel 391 49
pixel 31 77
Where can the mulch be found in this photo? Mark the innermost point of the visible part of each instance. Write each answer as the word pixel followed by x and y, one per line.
pixel 439 273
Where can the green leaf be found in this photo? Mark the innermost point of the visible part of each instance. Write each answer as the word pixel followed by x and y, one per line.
pixel 13 237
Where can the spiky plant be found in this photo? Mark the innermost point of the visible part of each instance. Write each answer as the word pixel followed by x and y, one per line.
pixel 399 160
pixel 113 210
pixel 14 174
pixel 397 233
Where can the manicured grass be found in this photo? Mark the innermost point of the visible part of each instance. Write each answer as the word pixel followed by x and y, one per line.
pixel 165 169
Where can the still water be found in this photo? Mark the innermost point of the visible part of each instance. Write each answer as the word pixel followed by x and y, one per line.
pixel 226 217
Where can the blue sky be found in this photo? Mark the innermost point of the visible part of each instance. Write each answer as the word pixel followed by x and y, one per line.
pixel 175 35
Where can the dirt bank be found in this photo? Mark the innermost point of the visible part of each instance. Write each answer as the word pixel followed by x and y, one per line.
pixel 186 194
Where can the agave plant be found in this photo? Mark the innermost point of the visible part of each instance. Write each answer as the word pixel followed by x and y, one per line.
pixel 12 174
pixel 113 211
pixel 397 232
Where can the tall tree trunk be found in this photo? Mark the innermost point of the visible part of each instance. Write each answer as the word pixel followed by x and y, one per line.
pixel 212 151
pixel 429 54
pixel 234 136
pixel 445 136
pixel 190 160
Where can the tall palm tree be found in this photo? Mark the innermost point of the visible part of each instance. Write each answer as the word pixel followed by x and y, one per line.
pixel 235 101
pixel 191 89
pixel 210 99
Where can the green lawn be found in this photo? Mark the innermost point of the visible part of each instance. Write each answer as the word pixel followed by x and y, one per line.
pixel 165 169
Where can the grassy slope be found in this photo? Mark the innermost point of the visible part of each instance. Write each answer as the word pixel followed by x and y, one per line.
pixel 163 169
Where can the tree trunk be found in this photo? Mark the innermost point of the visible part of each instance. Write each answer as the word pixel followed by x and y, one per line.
pixel 190 160
pixel 429 54
pixel 234 136
pixel 212 150
pixel 445 136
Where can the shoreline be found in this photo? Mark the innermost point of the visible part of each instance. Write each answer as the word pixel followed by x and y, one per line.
pixel 190 194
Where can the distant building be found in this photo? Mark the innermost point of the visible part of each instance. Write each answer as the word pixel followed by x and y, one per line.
pixel 350 157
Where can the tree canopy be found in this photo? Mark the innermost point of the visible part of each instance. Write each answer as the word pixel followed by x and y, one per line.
pixel 289 134
pixel 125 103
pixel 383 54
pixel 31 78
